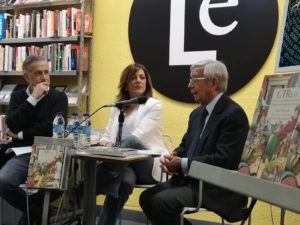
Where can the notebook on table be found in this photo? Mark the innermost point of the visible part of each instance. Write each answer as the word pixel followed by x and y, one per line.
pixel 112 151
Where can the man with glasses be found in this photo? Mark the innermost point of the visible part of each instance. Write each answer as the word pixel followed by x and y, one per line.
pixel 216 134
pixel 31 112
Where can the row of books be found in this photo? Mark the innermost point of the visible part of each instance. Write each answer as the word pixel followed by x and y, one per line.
pixel 19 2
pixel 2 128
pixel 45 23
pixel 60 56
pixel 71 92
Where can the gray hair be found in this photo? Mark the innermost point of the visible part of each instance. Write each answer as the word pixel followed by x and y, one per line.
pixel 29 60
pixel 213 69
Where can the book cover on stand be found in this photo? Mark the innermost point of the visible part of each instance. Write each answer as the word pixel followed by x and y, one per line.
pixel 49 163
pixel 272 148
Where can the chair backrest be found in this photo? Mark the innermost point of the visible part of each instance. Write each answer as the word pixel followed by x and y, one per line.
pixel 274 193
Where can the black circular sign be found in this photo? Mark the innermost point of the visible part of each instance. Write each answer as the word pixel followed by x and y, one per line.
pixel 241 33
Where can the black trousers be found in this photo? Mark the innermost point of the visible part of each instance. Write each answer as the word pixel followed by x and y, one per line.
pixel 164 202
pixel 3 156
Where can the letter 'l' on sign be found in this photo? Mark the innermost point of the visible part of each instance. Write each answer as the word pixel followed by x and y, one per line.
pixel 177 55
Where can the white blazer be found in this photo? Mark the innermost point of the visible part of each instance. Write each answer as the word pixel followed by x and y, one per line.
pixel 144 124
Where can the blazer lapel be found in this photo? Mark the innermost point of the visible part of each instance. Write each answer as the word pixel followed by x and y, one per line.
pixel 195 136
pixel 212 121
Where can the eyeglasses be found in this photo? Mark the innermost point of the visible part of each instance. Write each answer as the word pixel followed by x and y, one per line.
pixel 193 79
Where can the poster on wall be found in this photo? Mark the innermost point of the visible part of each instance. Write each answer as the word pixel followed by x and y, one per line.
pixel 288 57
pixel 187 31
pixel 272 149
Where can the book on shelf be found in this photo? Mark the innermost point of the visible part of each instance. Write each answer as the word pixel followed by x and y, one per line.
pixel 44 23
pixel 72 94
pixel 75 57
pixel 60 88
pixel 272 148
pixel 88 23
pixel 6 91
pixel 49 163
pixel 2 26
pixel 2 128
pixel 60 56
pixel 1 57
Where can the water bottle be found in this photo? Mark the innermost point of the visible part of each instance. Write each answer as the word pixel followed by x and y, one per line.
pixel 85 132
pixel 75 129
pixel 69 128
pixel 58 126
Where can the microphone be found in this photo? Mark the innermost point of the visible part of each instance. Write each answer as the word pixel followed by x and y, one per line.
pixel 137 100
pixel 133 101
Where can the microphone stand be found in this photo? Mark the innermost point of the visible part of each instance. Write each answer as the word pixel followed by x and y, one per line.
pixel 120 127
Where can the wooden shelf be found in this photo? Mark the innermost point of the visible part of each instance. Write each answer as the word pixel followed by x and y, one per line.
pixel 7 103
pixel 41 4
pixel 79 77
pixel 54 73
pixel 15 41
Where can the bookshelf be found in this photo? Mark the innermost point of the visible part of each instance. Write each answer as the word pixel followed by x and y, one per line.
pixel 57 29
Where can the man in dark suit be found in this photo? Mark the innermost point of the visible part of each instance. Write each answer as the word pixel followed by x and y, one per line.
pixel 216 134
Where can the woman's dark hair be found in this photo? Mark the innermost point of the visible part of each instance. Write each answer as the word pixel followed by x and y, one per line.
pixel 127 75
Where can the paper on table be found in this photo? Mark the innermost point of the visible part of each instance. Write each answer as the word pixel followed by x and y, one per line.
pixel 149 152
pixel 20 150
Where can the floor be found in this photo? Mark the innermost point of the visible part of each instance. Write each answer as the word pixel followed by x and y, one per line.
pixel 10 216
pixel 129 222
pixel 138 218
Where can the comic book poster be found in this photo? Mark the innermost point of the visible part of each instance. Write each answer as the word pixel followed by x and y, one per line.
pixel 49 163
pixel 272 149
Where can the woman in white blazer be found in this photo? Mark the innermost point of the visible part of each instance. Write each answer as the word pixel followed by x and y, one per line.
pixel 141 129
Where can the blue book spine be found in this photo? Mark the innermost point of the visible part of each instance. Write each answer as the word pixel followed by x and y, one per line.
pixel 2 26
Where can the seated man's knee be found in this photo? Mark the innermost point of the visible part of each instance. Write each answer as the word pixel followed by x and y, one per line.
pixel 145 198
pixel 160 203
pixel 127 185
pixel 4 184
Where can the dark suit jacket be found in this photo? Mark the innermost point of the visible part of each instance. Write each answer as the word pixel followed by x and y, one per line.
pixel 221 144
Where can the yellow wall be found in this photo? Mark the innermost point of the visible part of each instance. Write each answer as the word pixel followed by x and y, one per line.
pixel 111 53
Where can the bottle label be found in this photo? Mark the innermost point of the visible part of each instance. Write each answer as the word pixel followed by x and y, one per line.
pixel 70 131
pixel 58 130
pixel 84 136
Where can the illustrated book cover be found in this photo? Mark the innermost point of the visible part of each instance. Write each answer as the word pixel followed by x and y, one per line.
pixel 49 163
pixel 272 148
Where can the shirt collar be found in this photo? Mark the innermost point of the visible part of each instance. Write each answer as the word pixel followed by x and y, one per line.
pixel 211 105
pixel 27 91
